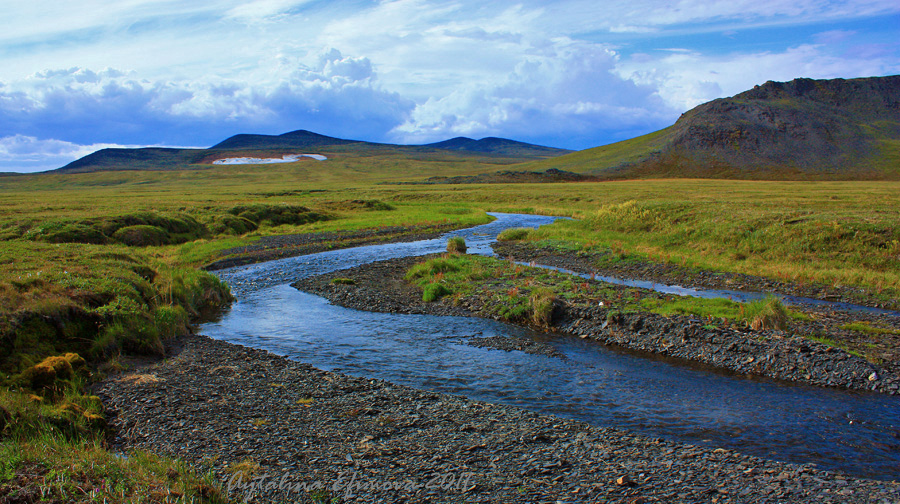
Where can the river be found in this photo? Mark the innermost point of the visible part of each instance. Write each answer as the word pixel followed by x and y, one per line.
pixel 854 432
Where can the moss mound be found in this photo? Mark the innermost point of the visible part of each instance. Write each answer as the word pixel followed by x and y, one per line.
pixel 142 235
pixel 275 215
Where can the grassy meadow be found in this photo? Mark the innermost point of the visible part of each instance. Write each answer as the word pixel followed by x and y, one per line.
pixel 107 264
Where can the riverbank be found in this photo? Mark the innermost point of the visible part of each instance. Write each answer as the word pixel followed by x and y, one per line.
pixel 235 410
pixel 609 264
pixel 776 354
pixel 875 336
pixel 270 248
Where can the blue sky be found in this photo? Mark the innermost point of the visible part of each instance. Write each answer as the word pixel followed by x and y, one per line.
pixel 79 76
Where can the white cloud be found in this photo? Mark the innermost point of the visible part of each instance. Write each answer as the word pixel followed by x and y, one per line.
pixel 414 70
pixel 259 10
pixel 686 79
pixel 567 91
pixel 82 105
pixel 25 154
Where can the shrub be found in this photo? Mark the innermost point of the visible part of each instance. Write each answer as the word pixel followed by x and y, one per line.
pixel 343 281
pixel 434 291
pixel 542 300
pixel 142 235
pixel 359 204
pixel 179 227
pixel 513 234
pixel 456 245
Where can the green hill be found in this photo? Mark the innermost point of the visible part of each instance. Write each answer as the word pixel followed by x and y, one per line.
pixel 803 129
pixel 299 142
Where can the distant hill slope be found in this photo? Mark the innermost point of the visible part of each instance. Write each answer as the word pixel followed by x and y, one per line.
pixel 802 129
pixel 148 158
pixel 494 145
pixel 300 139
pixel 301 142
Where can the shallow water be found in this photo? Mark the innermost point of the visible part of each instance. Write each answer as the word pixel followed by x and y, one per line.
pixel 855 432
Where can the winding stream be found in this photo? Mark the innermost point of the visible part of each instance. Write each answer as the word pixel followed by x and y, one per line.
pixel 855 432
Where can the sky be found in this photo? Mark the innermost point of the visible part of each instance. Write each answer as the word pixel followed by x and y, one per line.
pixel 76 77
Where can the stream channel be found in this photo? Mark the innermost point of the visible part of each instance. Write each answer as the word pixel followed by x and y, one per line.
pixel 850 431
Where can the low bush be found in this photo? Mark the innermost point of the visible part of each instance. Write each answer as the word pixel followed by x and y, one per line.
pixel 232 225
pixel 68 232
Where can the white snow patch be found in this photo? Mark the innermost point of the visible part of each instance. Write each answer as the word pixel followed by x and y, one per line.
pixel 289 158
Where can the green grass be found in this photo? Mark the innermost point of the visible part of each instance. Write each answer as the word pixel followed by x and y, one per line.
pixel 868 328
pixel 55 469
pixel 768 313
pixel 513 234
pixel 517 293
pixel 70 281
pixel 52 447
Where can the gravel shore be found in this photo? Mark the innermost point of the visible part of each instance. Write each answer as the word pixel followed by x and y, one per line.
pixel 326 437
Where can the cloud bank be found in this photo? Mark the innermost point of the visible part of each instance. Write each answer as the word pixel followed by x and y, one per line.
pixel 573 73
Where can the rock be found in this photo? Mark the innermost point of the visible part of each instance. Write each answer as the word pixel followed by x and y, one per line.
pixel 624 481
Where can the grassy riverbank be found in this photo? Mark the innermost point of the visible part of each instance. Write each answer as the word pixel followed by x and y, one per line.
pixel 106 264
pixel 520 293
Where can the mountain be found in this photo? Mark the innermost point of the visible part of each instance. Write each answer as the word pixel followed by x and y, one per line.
pixel 300 141
pixel 493 145
pixel 802 129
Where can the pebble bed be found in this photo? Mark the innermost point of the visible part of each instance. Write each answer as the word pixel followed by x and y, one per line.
pixel 275 430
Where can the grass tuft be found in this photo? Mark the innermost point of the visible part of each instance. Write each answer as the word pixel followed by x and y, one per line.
pixel 768 313
pixel 513 234
pixel 542 300
pixel 456 245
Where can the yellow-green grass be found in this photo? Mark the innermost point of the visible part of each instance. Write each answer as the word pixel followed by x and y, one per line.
pixel 517 292
pixel 835 233
pixel 597 159
pixel 63 470
pixel 94 298
pixel 868 328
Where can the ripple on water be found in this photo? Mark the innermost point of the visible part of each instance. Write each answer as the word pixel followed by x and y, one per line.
pixel 855 432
